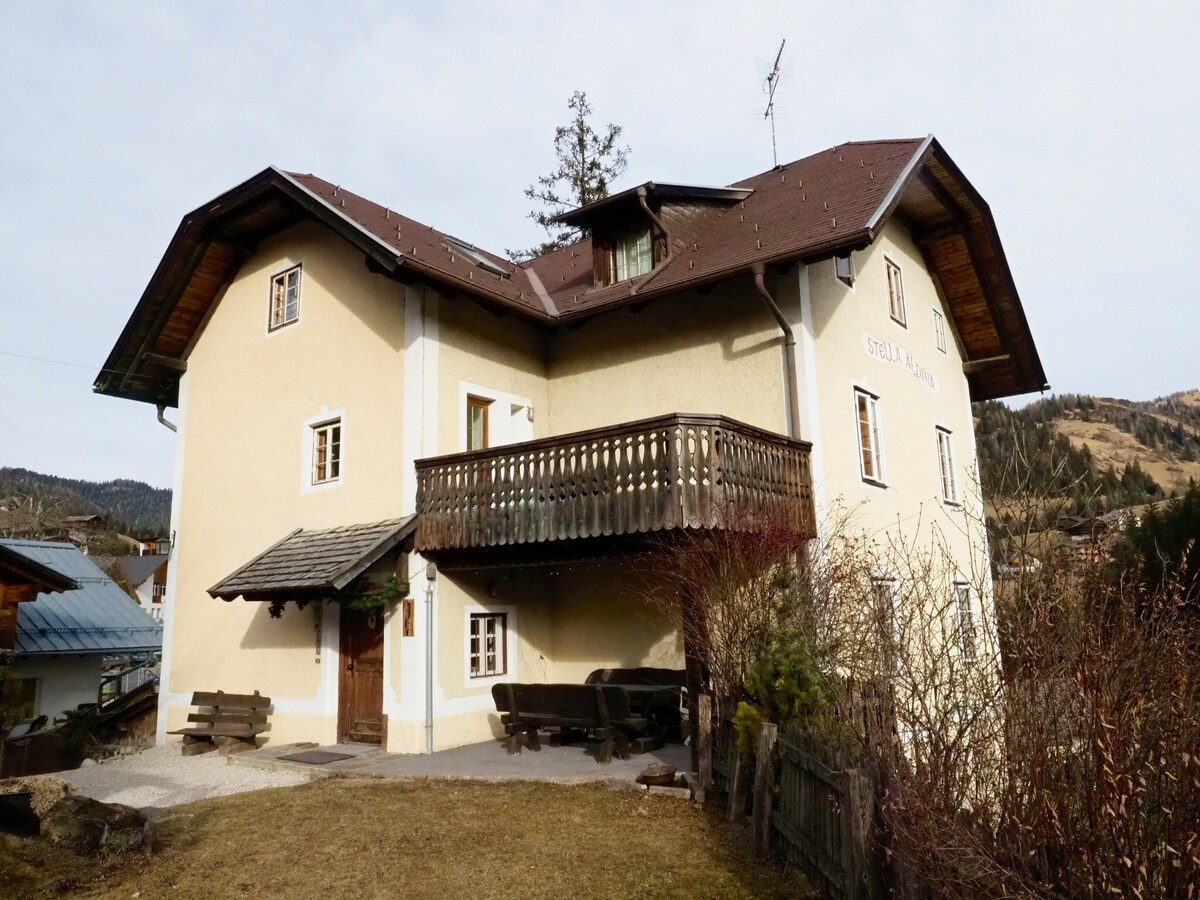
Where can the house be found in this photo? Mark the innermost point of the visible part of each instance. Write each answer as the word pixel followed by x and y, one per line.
pixel 74 622
pixel 143 578
pixel 367 406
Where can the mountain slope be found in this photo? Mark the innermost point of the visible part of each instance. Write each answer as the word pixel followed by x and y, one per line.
pixel 134 507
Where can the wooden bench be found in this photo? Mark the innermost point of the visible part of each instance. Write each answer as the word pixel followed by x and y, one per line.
pixel 231 722
pixel 641 675
pixel 602 710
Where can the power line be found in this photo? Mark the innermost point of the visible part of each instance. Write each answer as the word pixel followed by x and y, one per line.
pixel 60 362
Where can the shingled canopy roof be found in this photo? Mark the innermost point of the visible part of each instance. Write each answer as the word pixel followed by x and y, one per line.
pixel 828 203
pixel 314 562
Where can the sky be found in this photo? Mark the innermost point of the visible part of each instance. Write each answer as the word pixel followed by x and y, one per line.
pixel 1078 123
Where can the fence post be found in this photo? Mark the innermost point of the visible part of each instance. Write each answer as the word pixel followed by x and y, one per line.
pixel 764 782
pixel 704 740
pixel 737 785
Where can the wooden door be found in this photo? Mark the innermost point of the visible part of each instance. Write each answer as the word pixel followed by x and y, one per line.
pixel 360 687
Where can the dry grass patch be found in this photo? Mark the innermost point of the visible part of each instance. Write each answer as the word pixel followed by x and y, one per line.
pixel 372 838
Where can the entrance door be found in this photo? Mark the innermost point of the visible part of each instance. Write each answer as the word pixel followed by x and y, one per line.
pixel 360 687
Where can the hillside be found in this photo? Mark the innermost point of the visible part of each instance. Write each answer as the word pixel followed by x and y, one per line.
pixel 1096 453
pixel 133 507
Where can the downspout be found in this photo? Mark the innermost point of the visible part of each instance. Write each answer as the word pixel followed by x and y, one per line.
pixel 430 579
pixel 162 408
pixel 641 195
pixel 789 350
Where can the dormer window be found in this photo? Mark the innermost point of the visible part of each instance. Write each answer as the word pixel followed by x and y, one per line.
pixel 632 256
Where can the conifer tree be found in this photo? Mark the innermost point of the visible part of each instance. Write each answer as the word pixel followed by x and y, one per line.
pixel 588 161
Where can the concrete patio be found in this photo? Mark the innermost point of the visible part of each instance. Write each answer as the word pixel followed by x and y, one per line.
pixel 487 761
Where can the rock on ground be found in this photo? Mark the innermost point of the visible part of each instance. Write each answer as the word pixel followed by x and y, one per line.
pixel 162 776
pixel 88 825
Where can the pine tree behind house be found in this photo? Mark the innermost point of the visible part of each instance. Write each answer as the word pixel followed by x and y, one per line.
pixel 588 161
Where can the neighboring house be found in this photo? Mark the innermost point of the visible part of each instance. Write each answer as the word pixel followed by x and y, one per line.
pixel 62 638
pixel 360 395
pixel 143 578
pixel 21 581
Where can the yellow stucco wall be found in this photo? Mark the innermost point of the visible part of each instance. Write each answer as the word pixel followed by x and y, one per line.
pixel 249 395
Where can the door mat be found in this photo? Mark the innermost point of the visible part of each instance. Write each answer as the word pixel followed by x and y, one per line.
pixel 316 757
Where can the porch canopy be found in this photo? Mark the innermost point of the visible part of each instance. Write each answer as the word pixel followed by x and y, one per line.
pixel 314 563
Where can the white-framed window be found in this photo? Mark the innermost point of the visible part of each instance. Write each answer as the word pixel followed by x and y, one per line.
pixel 632 256
pixel 939 330
pixel 285 298
pixel 487 645
pixel 895 286
pixel 326 451
pixel 966 621
pixel 945 450
pixel 492 418
pixel 870 451
pixel 843 268
pixel 160 590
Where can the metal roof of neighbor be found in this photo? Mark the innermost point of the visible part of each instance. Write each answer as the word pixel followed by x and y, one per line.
pixel 315 561
pixel 96 617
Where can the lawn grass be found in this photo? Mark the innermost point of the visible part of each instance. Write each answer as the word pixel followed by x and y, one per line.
pixel 368 838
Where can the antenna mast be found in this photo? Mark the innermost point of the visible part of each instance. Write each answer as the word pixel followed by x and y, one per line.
pixel 769 86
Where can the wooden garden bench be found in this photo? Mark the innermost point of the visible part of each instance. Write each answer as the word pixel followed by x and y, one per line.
pixel 602 710
pixel 231 722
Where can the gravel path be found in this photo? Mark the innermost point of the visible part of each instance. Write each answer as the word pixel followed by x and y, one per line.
pixel 161 776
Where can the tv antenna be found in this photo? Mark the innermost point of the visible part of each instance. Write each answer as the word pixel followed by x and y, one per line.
pixel 769 86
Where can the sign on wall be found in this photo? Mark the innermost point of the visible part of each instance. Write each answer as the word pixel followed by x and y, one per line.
pixel 894 354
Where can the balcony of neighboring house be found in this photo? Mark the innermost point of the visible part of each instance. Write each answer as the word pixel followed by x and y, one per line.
pixel 679 471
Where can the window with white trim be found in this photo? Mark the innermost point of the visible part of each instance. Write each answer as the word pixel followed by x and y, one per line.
pixel 632 256
pixel 160 590
pixel 885 592
pixel 843 268
pixel 870 454
pixel 487 648
pixel 327 451
pixel 285 298
pixel 895 285
pixel 939 330
pixel 478 409
pixel 946 466
pixel 966 621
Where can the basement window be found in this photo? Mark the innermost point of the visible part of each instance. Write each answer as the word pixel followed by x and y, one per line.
pixel 285 298
pixel 843 267
pixel 632 256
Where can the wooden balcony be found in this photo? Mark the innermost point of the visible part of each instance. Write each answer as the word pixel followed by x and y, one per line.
pixel 676 471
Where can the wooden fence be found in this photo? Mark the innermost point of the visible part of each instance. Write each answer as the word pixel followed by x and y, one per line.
pixel 811 802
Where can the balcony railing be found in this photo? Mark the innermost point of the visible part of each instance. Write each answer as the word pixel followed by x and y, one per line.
pixel 677 471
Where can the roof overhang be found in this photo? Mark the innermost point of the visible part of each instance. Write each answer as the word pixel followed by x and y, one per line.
pixel 585 216
pixel 308 564
pixel 19 571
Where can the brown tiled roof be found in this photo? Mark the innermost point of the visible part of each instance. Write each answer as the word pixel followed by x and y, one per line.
pixel 315 561
pixel 423 245
pixel 822 201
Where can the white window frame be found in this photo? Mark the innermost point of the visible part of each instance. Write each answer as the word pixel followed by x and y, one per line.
pixel 511 643
pixel 621 257
pixel 158 590
pixel 879 476
pixel 322 419
pixel 948 474
pixel 889 265
pixel 887 581
pixel 503 408
pixel 964 611
pixel 281 276
pixel 939 330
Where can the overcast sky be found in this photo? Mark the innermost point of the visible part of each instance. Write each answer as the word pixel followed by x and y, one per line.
pixel 1079 123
